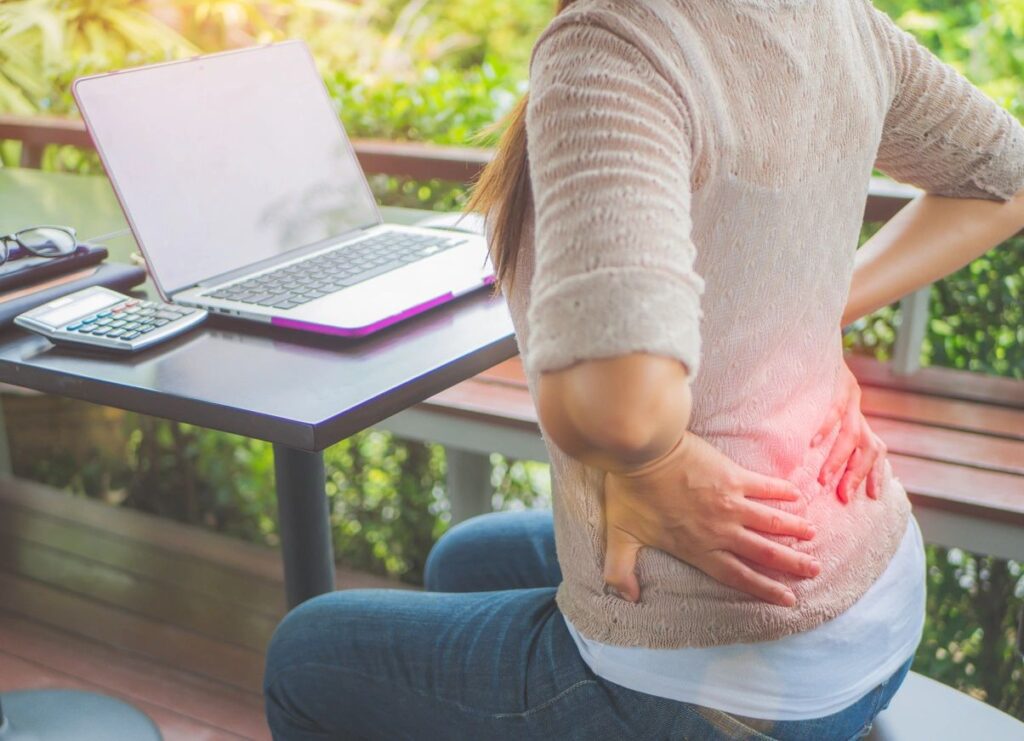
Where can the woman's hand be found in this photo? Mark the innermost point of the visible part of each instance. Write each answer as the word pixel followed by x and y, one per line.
pixel 856 449
pixel 699 506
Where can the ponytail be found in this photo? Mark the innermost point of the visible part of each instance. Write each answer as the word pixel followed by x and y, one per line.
pixel 503 190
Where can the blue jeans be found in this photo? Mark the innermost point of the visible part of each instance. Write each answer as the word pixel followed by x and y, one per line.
pixel 483 654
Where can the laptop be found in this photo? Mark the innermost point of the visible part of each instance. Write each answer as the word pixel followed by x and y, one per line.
pixel 246 198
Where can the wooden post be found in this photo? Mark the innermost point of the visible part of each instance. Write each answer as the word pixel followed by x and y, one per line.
pixel 32 155
pixel 5 450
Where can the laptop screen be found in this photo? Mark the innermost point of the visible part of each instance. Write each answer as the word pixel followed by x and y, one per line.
pixel 226 160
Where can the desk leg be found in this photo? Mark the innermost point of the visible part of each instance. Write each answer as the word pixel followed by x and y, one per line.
pixel 304 524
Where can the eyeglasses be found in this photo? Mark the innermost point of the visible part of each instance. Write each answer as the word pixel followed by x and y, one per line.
pixel 39 241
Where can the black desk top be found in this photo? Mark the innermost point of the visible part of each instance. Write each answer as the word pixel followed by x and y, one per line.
pixel 297 389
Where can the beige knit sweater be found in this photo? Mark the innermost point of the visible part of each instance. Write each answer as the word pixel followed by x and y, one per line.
pixel 699 171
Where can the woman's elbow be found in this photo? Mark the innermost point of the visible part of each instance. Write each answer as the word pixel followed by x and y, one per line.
pixel 619 407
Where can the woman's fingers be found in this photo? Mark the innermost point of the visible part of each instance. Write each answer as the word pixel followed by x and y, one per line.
pixel 860 466
pixel 771 520
pixel 732 572
pixel 846 388
pixel 826 426
pixel 875 476
pixel 765 552
pixel 872 486
pixel 620 563
pixel 759 486
pixel 845 444
pixel 851 479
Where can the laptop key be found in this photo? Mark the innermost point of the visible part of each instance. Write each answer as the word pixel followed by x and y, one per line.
pixel 275 299
pixel 385 268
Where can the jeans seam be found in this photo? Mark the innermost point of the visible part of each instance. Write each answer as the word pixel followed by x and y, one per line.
pixel 726 722
pixel 546 703
pixel 475 711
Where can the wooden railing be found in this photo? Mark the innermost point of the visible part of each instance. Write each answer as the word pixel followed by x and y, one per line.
pixel 402 159
pixel 462 165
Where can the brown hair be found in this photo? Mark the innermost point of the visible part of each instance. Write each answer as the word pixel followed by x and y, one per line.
pixel 504 191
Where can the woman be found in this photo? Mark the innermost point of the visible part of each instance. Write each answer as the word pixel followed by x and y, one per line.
pixel 674 217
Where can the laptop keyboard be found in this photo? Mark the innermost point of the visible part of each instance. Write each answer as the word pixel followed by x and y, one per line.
pixel 330 272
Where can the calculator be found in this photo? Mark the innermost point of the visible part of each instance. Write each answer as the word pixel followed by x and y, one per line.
pixel 100 318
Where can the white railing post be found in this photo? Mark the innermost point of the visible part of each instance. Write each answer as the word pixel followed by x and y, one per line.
pixel 469 483
pixel 906 356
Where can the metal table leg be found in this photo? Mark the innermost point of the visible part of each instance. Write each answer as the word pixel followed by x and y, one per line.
pixel 304 523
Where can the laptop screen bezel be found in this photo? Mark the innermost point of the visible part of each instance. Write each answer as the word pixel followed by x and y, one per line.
pixel 166 292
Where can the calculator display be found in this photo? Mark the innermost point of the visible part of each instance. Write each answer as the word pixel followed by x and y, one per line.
pixel 81 307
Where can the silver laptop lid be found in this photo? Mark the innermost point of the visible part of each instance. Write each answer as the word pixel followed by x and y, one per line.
pixel 225 160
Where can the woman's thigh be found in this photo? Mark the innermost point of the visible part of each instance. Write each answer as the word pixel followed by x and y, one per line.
pixel 497 550
pixel 494 660
pixel 398 664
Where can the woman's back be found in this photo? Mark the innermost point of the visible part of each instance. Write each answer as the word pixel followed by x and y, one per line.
pixel 700 171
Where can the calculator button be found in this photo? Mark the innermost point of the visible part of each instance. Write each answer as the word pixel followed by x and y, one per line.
pixel 104 320
pixel 131 326
pixel 89 320
pixel 73 327
pixel 118 323
pixel 130 336
pixel 100 331
pixel 114 333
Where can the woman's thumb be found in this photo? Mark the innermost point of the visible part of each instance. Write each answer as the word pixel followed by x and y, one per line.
pixel 620 563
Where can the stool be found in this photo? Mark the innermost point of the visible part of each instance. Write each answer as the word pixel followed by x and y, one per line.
pixel 925 710
pixel 71 715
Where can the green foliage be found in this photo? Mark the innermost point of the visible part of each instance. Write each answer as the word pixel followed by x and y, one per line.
pixel 981 39
pixel 973 607
pixel 976 317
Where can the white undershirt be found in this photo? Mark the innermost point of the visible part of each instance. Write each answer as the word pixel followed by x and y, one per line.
pixel 801 676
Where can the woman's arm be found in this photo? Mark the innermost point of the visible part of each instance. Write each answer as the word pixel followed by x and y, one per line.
pixel 945 136
pixel 931 237
pixel 616 413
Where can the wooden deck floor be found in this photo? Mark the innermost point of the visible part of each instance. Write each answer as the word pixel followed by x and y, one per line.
pixel 170 618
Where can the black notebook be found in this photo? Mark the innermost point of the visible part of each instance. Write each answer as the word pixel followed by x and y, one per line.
pixel 30 269
pixel 114 275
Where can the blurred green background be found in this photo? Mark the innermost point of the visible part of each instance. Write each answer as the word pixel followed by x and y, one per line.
pixel 442 71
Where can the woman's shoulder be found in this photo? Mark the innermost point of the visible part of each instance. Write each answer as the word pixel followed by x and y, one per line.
pixel 655 28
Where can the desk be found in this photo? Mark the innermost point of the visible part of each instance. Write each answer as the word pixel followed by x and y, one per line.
pixel 300 392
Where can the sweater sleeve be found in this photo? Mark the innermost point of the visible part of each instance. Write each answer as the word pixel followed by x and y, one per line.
pixel 941 133
pixel 609 152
